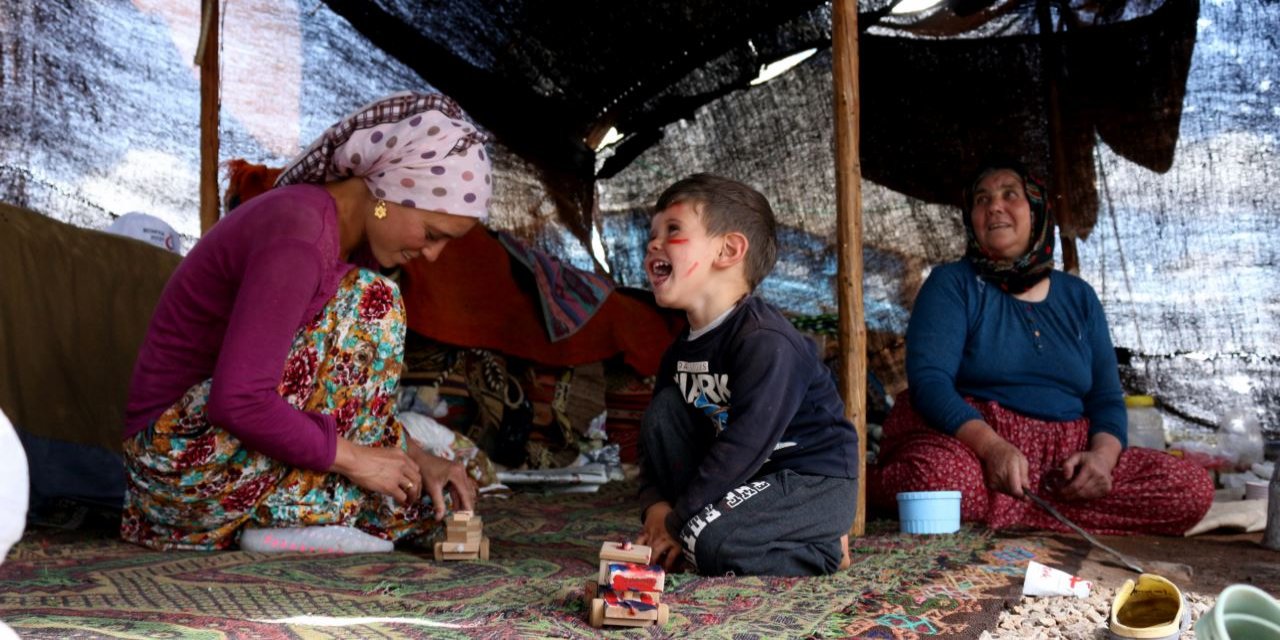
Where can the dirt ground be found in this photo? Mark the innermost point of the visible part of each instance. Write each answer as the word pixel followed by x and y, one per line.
pixel 1211 563
pixel 1215 560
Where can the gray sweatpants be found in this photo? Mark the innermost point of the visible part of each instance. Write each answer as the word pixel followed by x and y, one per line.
pixel 781 524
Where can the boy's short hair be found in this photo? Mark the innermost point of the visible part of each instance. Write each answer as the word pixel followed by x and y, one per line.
pixel 726 206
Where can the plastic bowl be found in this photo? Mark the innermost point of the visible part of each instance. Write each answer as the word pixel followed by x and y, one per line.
pixel 929 511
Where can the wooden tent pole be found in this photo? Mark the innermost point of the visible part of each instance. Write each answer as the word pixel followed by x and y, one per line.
pixel 853 328
pixel 207 60
pixel 1061 191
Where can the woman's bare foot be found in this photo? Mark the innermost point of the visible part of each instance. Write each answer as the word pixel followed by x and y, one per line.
pixel 845 558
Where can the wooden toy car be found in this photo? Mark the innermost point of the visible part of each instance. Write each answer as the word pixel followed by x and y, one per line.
pixel 628 589
pixel 464 538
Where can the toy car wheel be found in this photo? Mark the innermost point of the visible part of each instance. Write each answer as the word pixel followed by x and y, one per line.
pixel 439 552
pixel 597 612
pixel 664 614
pixel 484 548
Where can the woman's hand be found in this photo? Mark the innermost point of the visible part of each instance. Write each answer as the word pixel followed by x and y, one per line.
pixel 1089 472
pixel 440 475
pixel 383 470
pixel 1005 467
pixel 666 550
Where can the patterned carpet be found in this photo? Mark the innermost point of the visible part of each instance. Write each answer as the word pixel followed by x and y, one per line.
pixel 86 584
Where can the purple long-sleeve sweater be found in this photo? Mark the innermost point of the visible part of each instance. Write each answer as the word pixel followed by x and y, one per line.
pixel 230 312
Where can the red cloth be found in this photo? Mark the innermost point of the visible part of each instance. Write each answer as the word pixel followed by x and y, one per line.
pixel 246 180
pixel 625 413
pixel 469 297
pixel 1152 492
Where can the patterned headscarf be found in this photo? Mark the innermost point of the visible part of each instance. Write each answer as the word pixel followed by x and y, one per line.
pixel 414 149
pixel 1023 272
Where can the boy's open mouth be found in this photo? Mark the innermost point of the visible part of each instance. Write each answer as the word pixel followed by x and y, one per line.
pixel 659 271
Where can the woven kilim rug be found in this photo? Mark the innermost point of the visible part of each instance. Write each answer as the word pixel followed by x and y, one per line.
pixel 87 584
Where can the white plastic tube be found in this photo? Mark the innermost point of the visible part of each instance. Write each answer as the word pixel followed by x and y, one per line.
pixel 1047 581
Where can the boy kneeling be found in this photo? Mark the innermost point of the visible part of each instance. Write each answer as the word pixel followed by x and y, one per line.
pixel 749 466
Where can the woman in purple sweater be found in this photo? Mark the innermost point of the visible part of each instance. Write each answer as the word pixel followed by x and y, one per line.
pixel 262 406
pixel 1014 388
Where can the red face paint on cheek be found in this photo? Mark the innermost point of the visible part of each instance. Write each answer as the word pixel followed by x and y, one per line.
pixel 695 266
pixel 678 241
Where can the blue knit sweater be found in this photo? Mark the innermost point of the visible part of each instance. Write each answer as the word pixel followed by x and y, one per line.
pixel 1051 360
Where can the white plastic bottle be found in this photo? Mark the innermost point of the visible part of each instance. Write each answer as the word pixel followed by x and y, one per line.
pixel 1146 425
pixel 1240 437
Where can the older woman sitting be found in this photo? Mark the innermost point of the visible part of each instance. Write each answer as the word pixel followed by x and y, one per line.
pixel 1014 388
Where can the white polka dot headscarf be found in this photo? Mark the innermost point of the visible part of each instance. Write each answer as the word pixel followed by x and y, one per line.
pixel 414 149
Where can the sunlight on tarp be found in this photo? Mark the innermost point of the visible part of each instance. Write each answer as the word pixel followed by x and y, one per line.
pixel 333 621
pixel 597 249
pixel 261 59
pixel 1238 383
pixel 117 186
pixel 775 69
pixel 610 137
pixel 912 6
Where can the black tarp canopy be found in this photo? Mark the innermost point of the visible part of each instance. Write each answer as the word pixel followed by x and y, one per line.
pixel 1035 79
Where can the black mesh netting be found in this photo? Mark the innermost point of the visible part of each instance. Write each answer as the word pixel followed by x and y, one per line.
pixel 1159 117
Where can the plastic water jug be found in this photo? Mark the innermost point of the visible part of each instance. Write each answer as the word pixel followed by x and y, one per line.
pixel 1146 426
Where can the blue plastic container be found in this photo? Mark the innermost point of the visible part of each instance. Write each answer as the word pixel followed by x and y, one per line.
pixel 929 511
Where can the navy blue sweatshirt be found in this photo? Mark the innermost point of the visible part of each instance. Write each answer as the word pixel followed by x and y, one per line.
pixel 1051 360
pixel 772 403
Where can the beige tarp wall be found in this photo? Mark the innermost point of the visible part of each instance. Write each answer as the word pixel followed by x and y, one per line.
pixel 74 306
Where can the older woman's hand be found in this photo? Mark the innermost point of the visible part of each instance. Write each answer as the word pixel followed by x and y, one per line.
pixel 1089 472
pixel 1005 467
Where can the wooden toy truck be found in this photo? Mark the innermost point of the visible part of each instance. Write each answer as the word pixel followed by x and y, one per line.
pixel 464 538
pixel 628 590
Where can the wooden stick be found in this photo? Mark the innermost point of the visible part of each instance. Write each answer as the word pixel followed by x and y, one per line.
pixel 210 105
pixel 853 328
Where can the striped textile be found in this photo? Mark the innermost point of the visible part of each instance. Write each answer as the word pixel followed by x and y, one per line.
pixel 569 297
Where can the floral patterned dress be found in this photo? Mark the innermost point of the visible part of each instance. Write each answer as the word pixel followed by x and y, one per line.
pixel 193 485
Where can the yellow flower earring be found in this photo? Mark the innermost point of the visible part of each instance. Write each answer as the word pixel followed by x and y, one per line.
pixel 380 209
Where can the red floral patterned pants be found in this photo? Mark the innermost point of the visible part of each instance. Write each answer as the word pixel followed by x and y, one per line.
pixel 1152 492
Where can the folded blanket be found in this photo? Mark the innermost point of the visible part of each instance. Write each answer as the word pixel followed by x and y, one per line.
pixel 1236 515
